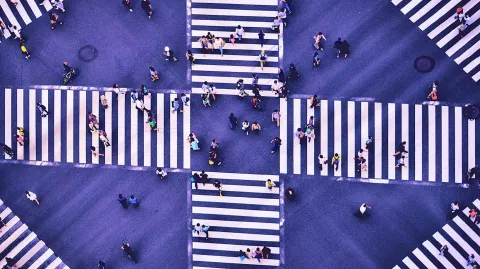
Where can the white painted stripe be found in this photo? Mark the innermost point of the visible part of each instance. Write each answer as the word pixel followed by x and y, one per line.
pixel 82 128
pixel 471 143
pixel 467 230
pixel 444 25
pixel 6 32
pixel 70 139
pixel 235 68
pixel 469 67
pixel 226 34
pixel 55 263
pixel 5 213
pixel 351 139
pixel 234 12
pixel 477 203
pixel 47 5
pixel 378 140
pixel 235 212
pixel 173 134
pixel 57 126
pixel 235 58
pixel 30 253
pixel 451 4
pixel 396 267
pixel 201 267
pixel 233 260
pixel 445 145
pixel 239 176
pixel 35 9
pixel 244 236
pixel 239 188
pixel 239 2
pixel 8 120
pixel 476 77
pixel 391 141
pixel 460 241
pixel 337 134
pixel 238 224
pixel 20 109
pixel 462 42
pixel 458 145
pixel 409 263
pixel 311 144
pixel 230 80
pixel 121 129
pixel 432 143
pixel 297 123
pixel 435 253
pixel 424 10
pixel 133 134
pixel 8 12
pixel 233 91
pixel 12 237
pixel 232 23
pixel 411 5
pixel 236 200
pixel 147 135
pixel 460 259
pixel 324 134
pixel 23 13
pixel 1 202
pixel 405 132
pixel 364 132
pixel 10 224
pixel 45 127
pixel 95 136
pixel 467 54
pixel 14 252
pixel 418 142
pixel 227 247
pixel 283 136
pixel 240 46
pixel 423 259
pixel 396 2
pixel 186 130
pixel 161 130
pixel 41 259
pixel 32 140
pixel 108 128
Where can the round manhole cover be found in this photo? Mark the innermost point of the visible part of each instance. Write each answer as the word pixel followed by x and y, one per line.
pixel 424 64
pixel 87 53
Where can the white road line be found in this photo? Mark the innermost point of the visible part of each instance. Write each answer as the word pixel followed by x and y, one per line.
pixel 405 132
pixel 161 130
pixel 445 144
pixel 233 260
pixel 471 143
pixel 230 80
pixel 38 262
pixel 434 251
pixel 469 67
pixel 409 263
pixel 232 91
pixel 451 4
pixel 477 203
pixel 34 250
pixel 12 237
pixel 227 57
pixel 460 241
pixel 396 2
pixel 147 135
pixel 423 259
pixel 391 141
pixel 82 128
pixel 297 123
pixel 476 77
pixel 6 32
pixel 45 127
pixel 226 34
pixel 234 12
pixel 121 129
pixel 55 263
pixel 364 132
pixel 451 249
pixel 444 25
pixel 57 126
pixel 240 176
pixel 396 267
pixel 462 42
pixel 35 9
pixel 311 144
pixel 467 230
pixel 239 2
pixel 10 224
pixel 133 135
pixel 432 143
pixel 337 134
pixel 8 12
pixel 186 130
pixel 244 236
pixel 424 10
pixel 467 54
pixel 458 145
pixel 232 23
pixel 378 140
pixel 351 139
pixel 32 140
pixel 173 134
pixel 95 111
pixel 23 13
pixel 235 68
pixel 283 136
pixel 235 212
pixel 238 224
pixel 7 211
pixel 47 5
pixel 236 200
pixel 108 128
pixel 256 47
pixel 239 188
pixel 227 247
pixel 70 119
pixel 18 248
pixel 411 5
pixel 324 133
pixel 20 109
pixel 8 120
pixel 418 142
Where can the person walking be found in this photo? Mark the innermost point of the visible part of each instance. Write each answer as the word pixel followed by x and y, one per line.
pixel 104 101
pixel 133 201
pixel 401 149
pixel 337 45
pixel 19 139
pixel 122 200
pixel 204 42
pixel 321 161
pixel 58 5
pixel 471 260
pixel 128 4
pixel 101 265
pixel 299 134
pixel 211 90
pixel 129 251
pixel 473 172
pixel 454 207
pixel 210 39
pixel 214 145
pixel 261 37
pixel 242 255
pixel 245 126
pixel 43 110
pixel 239 32
pixel 256 103
pixel 318 41
pixel 54 20
pixel 175 106
pixel 184 99
pixel 256 127
pixel 194 143
pixel 401 162
pixel 195 178
pixel 345 48
pixel 316 59
pixel 204 177
pixel 443 250
pixel 254 79
pixel 161 173
pixel 276 24
pixel 433 91
pixel 95 153
pixel 7 150
pixel 270 184
pixel 262 58
pixel 277 142
pixel 283 16
pixel 275 87
pixel 32 196
pixel 169 54
pixel 258 254
pixel 336 161
pixel 153 74
pixel 266 252
pixel 232 121
pixel 293 73
pixel 281 76
pixel 276 117
pixel 369 143
pixel 218 184
pixel 314 101
pixel 206 100
pixel 148 8
pixel 363 209
pixel 283 92
pixel 24 50
pixel 2 223
pixel 290 194
pixel 197 229
pixel 205 229
pixel 11 263
pixel 310 132
pixel 220 44
pixel 212 158
pixel 190 57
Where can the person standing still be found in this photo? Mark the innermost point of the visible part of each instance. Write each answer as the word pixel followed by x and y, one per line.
pixel 32 196
pixel 148 8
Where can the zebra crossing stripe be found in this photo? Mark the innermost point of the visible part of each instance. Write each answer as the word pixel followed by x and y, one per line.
pixel 18 248
pixel 283 136
pixel 121 129
pixel 409 263
pixel 20 149
pixel 234 69
pixel 240 188
pixel 234 12
pixel 351 139
pixel 420 256
pixel 186 131
pixel 364 131
pixel 30 253
pixel 161 130
pixel 226 34
pixel 14 236
pixel 378 140
pixel 173 134
pixel 445 145
pixel 10 224
pixel 467 230
pixel 244 236
pixel 239 2
pixel 418 142
pixel 239 46
pixel 232 91
pixel 451 249
pixel 233 260
pixel 234 212
pixel 447 38
pixel 466 55
pixel 227 57
pixel 133 135
pixel 5 213
pixel 396 2
pixel 411 5
pixel 405 132
pixel 396 267
pixel 444 25
pixel 55 263
pixel 391 141
pixel 458 145
pixel 44 122
pixel 147 136
pixel 240 176
pixel 108 128
pixel 230 80
pixel 57 126
pixel 337 133
pixel 311 144
pixel 82 128
pixel 235 200
pixel 95 111
pixel 469 67
pixel 424 10
pixel 35 9
pixel 459 240
pixel 32 142
pixel 23 13
pixel 297 121
pixel 476 77
pixel 239 224
pixel 324 133
pixel 47 5
pixel 6 32
pixel 440 13
pixel 41 259
pixel 8 12
pixel 434 251
pixel 471 143
pixel 233 24
pixel 8 119
pixel 477 203
pixel 227 247
pixel 432 154
pixel 70 119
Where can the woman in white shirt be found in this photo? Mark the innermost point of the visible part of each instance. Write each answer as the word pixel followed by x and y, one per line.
pixel 239 32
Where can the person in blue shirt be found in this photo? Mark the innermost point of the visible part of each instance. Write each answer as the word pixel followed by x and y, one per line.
pixel 133 200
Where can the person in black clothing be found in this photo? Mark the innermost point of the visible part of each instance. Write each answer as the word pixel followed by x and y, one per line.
pixel 2 223
pixel 128 4
pixel 233 121
pixel 290 194
pixel 148 8
pixel 266 252
pixel 472 172
pixel 101 265
pixel 129 251
pixel 10 263
pixel 345 48
pixel 293 72
pixel 401 149
pixel 256 91
pixel 281 75
pixel 6 150
pixel 337 45
pixel 204 178
pixel 54 20
pixel 195 179
pixel 122 200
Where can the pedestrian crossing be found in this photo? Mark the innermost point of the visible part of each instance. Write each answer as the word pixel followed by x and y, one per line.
pixel 240 59
pixel 436 18
pixel 461 237
pixel 17 242
pixel 247 215
pixel 440 142
pixel 25 9
pixel 64 136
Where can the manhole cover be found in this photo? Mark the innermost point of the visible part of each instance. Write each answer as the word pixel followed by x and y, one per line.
pixel 424 64
pixel 87 53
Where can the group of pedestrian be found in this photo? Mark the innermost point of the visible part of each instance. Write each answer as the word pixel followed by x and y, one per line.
pixel 126 202
pixel 197 229
pixel 145 4
pixel 202 178
pixel 259 254
pixel 208 95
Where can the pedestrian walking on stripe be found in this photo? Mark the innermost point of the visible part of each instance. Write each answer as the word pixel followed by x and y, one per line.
pixel 122 200
pixel 240 32
pixel 283 16
pixel 7 150
pixel 190 57
pixel 95 153
pixel 401 149
pixel 266 252
pixel 104 101
pixel 261 37
pixel 161 173
pixel 204 178
pixel 269 184
pixel 245 126
pixel 401 162
pixel 32 196
pixel 293 73
pixel 258 254
pixel 195 178
pixel 2 223
pixel 336 161
pixel 369 143
pixel 262 58
pixel 204 42
pixel 220 44
pixel 443 250
pixel 218 184
pixel 148 8
pixel 256 91
pixel 43 110
pixel 321 161
pixel 19 139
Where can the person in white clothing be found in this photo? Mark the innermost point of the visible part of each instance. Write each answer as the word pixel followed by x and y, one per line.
pixel 276 87
pixel 363 209
pixel 58 4
pixel 32 196
pixel 239 32
pixel 322 161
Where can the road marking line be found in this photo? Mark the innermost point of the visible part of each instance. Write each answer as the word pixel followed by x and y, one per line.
pixel 44 122
pixel 57 129
pixel 418 142
pixel 391 141
pixel 133 135
pixel 324 134
pixel 70 119
pixel 95 136
pixel 8 120
pixel 108 128
pixel 311 144
pixel 351 139
pixel 147 135
pixel 445 145
pixel 173 134
pixel 297 122
pixel 458 145
pixel 186 130
pixel 161 130
pixel 32 140
pixel 337 134
pixel 82 128
pixel 378 140
pixel 20 109
pixel 283 136
pixel 405 132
